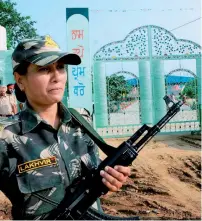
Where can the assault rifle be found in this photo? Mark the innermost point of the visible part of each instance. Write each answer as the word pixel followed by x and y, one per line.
pixel 79 198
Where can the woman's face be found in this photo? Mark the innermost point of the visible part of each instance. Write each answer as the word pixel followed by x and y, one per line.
pixel 44 85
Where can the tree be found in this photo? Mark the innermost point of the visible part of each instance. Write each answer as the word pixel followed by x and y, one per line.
pixel 190 89
pixel 117 87
pixel 17 26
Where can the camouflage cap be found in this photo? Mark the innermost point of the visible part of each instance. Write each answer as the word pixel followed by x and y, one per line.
pixel 42 52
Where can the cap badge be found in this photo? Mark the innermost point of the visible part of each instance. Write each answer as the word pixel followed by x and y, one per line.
pixel 50 43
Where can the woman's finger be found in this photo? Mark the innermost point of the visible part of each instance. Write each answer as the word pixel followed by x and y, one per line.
pixel 115 174
pixel 110 186
pixel 111 179
pixel 126 171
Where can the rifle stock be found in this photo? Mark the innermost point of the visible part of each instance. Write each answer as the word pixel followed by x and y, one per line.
pixel 79 198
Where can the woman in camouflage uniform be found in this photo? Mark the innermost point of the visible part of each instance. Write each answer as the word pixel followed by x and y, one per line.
pixel 41 150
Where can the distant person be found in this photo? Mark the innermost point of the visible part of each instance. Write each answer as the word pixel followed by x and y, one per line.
pixel 6 105
pixel 183 98
pixel 172 97
pixel 12 97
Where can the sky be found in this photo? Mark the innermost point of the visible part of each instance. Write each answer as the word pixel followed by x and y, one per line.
pixel 108 22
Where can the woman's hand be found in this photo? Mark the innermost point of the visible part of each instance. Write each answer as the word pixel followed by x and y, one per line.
pixel 114 178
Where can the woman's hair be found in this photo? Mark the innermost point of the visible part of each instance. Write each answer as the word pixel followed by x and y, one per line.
pixel 22 70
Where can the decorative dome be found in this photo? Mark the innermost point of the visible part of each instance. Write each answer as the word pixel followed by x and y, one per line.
pixel 146 41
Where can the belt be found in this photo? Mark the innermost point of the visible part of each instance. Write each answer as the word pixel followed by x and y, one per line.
pixel 6 115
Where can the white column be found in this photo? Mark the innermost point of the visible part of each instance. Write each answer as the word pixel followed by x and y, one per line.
pixel 3 45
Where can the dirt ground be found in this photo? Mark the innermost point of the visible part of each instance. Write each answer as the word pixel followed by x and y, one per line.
pixel 165 182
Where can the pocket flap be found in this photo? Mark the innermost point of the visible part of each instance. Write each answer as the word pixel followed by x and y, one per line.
pixel 40 179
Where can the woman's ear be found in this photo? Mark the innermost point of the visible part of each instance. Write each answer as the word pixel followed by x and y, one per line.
pixel 19 80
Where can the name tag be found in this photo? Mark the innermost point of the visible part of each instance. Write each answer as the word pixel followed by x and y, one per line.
pixel 35 164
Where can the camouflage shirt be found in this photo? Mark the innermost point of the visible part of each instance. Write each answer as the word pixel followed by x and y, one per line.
pixel 37 162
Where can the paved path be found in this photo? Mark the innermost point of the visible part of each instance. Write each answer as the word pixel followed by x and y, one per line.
pixel 131 115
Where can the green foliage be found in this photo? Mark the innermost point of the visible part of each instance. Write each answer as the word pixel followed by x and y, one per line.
pixel 17 26
pixel 117 87
pixel 190 89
